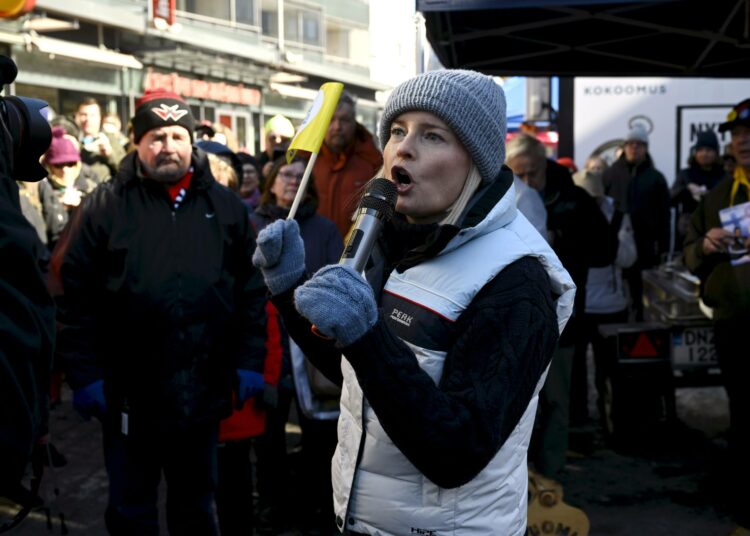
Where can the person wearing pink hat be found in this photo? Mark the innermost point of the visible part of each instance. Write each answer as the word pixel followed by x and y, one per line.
pixel 68 181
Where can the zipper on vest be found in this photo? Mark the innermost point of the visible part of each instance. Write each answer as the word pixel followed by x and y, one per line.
pixel 341 522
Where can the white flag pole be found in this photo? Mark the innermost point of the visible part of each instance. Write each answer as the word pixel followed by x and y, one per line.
pixel 302 186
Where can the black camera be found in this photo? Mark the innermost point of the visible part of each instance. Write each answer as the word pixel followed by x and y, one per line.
pixel 25 129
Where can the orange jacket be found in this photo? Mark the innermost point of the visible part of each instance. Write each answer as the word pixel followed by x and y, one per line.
pixel 339 178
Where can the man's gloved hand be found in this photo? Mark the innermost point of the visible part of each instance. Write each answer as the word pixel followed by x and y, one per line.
pixel 338 302
pixel 280 255
pixel 89 401
pixel 249 384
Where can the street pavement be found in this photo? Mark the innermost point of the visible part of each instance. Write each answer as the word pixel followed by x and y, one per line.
pixel 665 483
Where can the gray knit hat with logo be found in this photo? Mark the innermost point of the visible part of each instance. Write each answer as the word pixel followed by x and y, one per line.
pixel 471 103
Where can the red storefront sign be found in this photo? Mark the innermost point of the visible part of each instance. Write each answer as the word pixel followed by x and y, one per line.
pixel 202 89
pixel 164 9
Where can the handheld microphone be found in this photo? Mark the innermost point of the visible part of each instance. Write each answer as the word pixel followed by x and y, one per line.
pixel 375 208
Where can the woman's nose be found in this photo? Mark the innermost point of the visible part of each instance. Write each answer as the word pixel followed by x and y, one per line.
pixel 405 148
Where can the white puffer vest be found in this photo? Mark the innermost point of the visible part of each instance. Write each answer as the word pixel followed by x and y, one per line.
pixel 378 491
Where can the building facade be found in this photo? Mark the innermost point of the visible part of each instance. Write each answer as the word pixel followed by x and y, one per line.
pixel 236 62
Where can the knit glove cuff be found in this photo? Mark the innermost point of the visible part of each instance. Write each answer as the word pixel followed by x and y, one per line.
pixel 339 302
pixel 280 255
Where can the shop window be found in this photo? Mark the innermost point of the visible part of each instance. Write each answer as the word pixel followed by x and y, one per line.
pixel 209 113
pixel 242 131
pixel 352 44
pixel 244 10
pixel 291 24
pixel 311 28
pixel 217 9
pixel 196 110
pixel 302 25
pixel 270 18
pixel 337 41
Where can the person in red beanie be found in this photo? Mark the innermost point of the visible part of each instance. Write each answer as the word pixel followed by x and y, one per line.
pixel 163 322
pixel 568 162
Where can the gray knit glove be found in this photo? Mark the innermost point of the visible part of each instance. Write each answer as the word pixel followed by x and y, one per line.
pixel 280 255
pixel 338 302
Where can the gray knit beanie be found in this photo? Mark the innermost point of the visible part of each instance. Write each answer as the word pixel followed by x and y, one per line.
pixel 471 103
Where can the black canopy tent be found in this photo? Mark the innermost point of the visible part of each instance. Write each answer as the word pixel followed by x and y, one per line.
pixel 592 37
pixel 697 38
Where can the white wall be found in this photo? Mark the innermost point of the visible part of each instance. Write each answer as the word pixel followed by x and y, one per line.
pixel 393 35
pixel 671 109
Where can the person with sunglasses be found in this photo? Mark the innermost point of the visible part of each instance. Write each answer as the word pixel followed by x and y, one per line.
pixel 323 245
pixel 68 181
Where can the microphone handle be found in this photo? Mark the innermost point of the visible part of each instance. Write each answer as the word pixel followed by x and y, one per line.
pixel 362 239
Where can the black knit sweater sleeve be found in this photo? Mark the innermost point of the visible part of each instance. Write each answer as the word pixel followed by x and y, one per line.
pixel 321 352
pixel 452 430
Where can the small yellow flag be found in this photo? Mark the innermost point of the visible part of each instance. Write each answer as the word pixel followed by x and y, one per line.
pixel 313 129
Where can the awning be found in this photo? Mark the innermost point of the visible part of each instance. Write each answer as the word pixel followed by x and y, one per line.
pixel 88 53
pixel 592 37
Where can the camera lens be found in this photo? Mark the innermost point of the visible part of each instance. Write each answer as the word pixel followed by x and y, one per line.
pixel 26 120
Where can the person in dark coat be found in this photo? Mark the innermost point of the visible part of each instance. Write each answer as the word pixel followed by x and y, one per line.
pixel 582 238
pixel 162 317
pixel 27 317
pixel 250 185
pixel 705 170
pixel 323 245
pixel 348 158
pixel 640 191
pixel 726 289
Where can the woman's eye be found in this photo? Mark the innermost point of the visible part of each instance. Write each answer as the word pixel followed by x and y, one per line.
pixel 397 131
pixel 432 136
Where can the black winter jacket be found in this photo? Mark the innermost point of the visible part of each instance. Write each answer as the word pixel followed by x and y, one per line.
pixel 27 333
pixel 726 288
pixel 581 235
pixel 163 304
pixel 323 246
pixel 55 213
pixel 642 192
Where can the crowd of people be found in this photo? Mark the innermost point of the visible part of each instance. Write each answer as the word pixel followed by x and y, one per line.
pixel 186 301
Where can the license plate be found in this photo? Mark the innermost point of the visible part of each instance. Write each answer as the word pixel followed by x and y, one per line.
pixel 694 347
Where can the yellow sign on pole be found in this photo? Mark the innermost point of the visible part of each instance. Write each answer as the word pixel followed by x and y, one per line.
pixel 313 129
pixel 311 132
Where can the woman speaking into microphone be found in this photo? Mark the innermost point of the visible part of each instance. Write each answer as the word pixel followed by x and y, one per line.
pixel 447 338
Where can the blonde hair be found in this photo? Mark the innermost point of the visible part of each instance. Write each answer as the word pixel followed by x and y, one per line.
pixel 473 180
pixel 223 172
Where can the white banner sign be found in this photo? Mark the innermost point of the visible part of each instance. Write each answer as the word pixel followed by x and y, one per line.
pixel 671 110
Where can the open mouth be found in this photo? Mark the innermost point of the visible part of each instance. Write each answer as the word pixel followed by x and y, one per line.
pixel 400 175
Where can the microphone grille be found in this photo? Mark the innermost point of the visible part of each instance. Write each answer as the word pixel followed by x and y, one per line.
pixel 380 195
